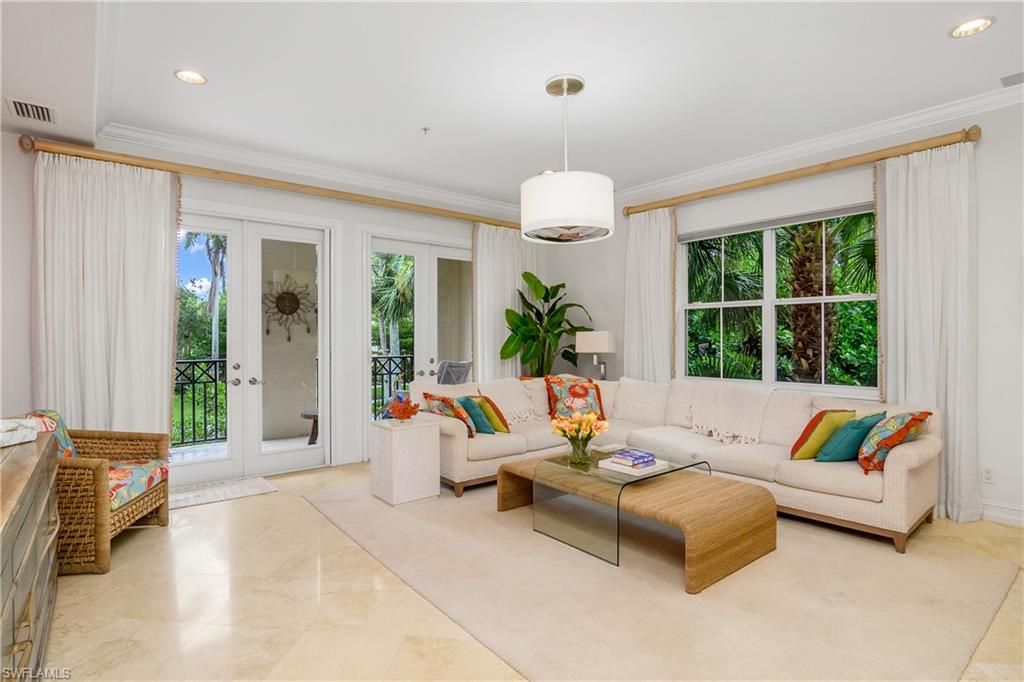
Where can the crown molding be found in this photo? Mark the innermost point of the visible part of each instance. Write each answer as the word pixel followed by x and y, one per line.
pixel 677 184
pixel 332 176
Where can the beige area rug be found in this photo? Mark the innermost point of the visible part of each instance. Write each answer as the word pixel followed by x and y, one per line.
pixel 193 495
pixel 826 604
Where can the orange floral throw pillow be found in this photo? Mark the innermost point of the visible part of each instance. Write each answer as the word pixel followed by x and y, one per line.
pixel 567 395
pixel 884 436
pixel 447 407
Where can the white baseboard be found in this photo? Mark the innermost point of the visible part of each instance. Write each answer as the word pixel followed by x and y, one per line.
pixel 1003 513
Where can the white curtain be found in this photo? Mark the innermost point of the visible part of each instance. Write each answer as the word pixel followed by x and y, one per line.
pixel 928 298
pixel 500 256
pixel 650 283
pixel 105 257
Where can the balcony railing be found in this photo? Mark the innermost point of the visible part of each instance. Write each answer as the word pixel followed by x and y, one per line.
pixel 388 374
pixel 199 408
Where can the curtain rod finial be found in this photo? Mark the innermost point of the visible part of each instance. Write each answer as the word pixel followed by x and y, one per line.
pixel 26 143
pixel 974 133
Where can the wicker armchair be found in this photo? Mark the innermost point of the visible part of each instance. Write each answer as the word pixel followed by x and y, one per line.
pixel 83 497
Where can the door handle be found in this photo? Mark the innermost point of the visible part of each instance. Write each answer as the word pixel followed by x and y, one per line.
pixel 253 381
pixel 432 372
pixel 236 381
pixel 236 366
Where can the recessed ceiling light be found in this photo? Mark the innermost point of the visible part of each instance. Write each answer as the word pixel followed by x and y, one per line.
pixel 971 27
pixel 190 77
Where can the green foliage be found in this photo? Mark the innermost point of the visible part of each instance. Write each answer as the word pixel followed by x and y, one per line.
pixel 535 334
pixel 392 299
pixel 195 325
pixel 831 257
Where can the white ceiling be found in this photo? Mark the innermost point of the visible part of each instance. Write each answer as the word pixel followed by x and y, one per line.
pixel 670 87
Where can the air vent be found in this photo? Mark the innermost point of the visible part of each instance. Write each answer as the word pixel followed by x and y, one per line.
pixel 33 112
pixel 1012 79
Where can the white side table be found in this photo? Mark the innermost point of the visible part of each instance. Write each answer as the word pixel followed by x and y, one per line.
pixel 405 460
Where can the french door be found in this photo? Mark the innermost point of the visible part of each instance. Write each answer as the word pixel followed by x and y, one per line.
pixel 422 313
pixel 253 398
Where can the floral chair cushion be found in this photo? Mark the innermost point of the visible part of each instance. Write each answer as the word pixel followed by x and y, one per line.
pixel 50 420
pixel 129 478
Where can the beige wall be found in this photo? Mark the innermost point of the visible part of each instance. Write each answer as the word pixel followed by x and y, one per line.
pixel 16 354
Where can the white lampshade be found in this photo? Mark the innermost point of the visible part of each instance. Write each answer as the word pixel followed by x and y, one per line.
pixel 567 207
pixel 595 342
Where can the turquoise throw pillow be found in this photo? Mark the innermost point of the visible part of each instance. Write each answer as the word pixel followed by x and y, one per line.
pixel 843 445
pixel 480 421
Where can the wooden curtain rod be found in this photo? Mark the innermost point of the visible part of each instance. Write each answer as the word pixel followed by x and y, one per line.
pixel 972 134
pixel 28 144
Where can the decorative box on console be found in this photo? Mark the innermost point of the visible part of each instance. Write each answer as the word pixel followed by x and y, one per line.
pixel 405 460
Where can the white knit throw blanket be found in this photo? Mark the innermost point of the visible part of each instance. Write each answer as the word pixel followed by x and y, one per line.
pixel 728 413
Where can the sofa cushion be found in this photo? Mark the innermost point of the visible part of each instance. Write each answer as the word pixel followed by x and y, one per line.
pixel 887 434
pixel 641 401
pixel 844 444
pixel 493 446
pixel 568 395
pixel 674 443
pixel 785 416
pixel 537 389
pixel 538 435
pixel 51 421
pixel 417 388
pixel 730 411
pixel 679 405
pixel 866 407
pixel 130 478
pixel 753 460
pixel 833 478
pixel 609 389
pixel 618 432
pixel 449 407
pixel 513 399
pixel 818 431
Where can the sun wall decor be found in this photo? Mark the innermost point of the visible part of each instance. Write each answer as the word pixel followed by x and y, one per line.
pixel 288 303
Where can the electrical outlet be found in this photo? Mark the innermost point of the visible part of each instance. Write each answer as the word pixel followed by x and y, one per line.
pixel 986 475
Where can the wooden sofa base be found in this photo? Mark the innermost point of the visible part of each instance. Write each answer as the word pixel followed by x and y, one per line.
pixel 899 539
pixel 460 486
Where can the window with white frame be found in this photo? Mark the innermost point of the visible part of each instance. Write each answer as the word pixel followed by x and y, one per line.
pixel 794 303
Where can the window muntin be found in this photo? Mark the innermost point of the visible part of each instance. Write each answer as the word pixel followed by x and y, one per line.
pixel 808 315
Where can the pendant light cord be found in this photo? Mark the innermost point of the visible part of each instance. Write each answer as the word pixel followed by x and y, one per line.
pixel 565 123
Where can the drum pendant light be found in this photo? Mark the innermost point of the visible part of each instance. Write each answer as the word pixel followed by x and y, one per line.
pixel 566 207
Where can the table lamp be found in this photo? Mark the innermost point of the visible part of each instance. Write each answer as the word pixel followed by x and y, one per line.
pixel 596 342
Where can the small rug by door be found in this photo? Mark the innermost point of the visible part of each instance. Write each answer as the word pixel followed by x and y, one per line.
pixel 827 604
pixel 193 495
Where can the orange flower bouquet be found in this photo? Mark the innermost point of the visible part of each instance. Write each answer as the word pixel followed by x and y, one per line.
pixel 579 429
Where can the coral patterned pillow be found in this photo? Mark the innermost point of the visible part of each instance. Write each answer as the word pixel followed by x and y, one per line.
pixel 567 395
pixel 900 428
pixel 50 420
pixel 447 407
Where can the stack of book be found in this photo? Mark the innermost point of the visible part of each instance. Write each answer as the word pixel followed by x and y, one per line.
pixel 632 461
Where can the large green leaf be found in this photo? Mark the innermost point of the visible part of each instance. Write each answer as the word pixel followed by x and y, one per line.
pixel 531 351
pixel 510 347
pixel 570 356
pixel 537 288
pixel 531 308
pixel 515 320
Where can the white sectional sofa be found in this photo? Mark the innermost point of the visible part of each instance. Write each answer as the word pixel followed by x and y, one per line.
pixel 671 420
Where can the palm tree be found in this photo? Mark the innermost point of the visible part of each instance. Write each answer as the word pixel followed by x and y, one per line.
pixel 216 252
pixel 392 296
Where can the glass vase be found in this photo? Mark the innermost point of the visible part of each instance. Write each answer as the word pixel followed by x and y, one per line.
pixel 579 455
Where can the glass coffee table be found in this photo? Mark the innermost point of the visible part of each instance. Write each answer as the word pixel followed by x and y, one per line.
pixel 580 505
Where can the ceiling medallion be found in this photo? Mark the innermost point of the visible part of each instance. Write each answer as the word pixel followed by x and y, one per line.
pixel 566 207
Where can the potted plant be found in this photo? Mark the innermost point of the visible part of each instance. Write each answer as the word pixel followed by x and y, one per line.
pixel 536 332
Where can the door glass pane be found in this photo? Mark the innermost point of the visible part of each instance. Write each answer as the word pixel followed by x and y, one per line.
pixel 454 319
pixel 742 342
pixel 798 343
pixel 702 338
pixel 290 350
pixel 199 416
pixel 798 260
pixel 392 342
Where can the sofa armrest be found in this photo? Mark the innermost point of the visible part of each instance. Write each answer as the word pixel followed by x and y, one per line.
pixel 83 505
pixel 449 426
pixel 914 454
pixel 120 444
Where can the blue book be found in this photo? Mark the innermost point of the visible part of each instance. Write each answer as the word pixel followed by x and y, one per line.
pixel 633 456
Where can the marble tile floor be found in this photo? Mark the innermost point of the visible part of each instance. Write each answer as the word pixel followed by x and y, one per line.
pixel 266 588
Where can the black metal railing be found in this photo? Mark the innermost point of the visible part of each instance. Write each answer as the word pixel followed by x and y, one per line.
pixel 199 409
pixel 388 374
